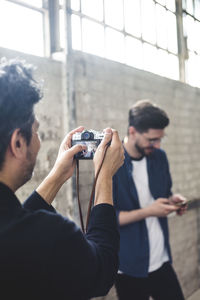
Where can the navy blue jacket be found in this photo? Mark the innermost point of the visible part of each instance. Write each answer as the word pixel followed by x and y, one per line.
pixel 134 243
pixel 45 256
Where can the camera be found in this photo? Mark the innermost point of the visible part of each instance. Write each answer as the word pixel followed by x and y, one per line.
pixel 91 139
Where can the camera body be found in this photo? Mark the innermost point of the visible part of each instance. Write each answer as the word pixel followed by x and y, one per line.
pixel 91 139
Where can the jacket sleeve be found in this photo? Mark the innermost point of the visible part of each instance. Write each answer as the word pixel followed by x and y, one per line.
pixel 90 260
pixel 87 263
pixel 115 198
pixel 168 175
pixel 35 202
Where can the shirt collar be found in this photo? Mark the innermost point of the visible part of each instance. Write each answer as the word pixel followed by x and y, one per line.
pixel 129 158
pixel 8 198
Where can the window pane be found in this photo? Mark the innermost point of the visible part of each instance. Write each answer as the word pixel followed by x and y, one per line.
pixel 114 13
pixel 93 8
pixel 37 3
pixel 162 63
pixel 161 26
pixel 133 52
pixel 197 34
pixel 62 28
pixel 150 57
pixel 197 9
pixel 184 4
pixel 190 31
pixel 25 32
pixel 76 32
pixel 171 5
pixel 148 21
pixel 189 7
pixel 173 67
pixel 132 16
pixel 163 2
pixel 193 69
pixel 75 5
pixel 172 33
pixel 93 37
pixel 114 45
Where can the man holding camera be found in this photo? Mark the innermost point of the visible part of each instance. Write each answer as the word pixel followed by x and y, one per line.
pixel 43 254
pixel 143 199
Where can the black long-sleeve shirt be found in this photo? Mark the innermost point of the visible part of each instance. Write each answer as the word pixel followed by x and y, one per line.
pixel 44 255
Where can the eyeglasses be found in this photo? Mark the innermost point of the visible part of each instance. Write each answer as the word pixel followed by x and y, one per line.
pixel 154 141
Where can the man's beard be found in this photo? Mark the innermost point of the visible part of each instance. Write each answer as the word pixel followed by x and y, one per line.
pixel 28 172
pixel 149 150
pixel 29 167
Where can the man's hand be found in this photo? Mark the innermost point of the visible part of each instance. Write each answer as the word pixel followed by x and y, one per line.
pixel 63 168
pixel 65 163
pixel 114 158
pixel 179 201
pixel 161 208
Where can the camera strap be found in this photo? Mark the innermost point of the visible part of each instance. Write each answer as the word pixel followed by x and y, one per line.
pixel 77 188
pixel 92 193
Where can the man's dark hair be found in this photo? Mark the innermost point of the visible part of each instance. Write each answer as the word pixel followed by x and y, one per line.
pixel 18 94
pixel 144 115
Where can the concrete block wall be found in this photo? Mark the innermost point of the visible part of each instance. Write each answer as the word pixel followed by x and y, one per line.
pixel 103 93
pixel 184 237
pixel 105 90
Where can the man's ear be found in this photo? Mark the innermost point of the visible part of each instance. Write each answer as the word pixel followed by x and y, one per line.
pixel 131 130
pixel 18 144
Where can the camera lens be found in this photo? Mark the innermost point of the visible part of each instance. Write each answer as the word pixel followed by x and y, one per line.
pixel 86 135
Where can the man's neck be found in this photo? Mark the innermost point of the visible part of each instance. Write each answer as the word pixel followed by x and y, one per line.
pixel 10 178
pixel 131 149
pixel 4 180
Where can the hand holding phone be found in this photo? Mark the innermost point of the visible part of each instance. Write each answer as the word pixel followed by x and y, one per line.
pixel 179 201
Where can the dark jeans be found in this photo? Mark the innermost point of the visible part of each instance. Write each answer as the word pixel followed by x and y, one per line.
pixel 161 284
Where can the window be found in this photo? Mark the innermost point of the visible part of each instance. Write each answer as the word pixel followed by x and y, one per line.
pixel 191 28
pixel 26 31
pixel 141 33
pixel 137 33
pixel 145 34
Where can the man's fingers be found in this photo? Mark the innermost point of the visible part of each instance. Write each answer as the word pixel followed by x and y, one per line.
pixel 67 140
pixel 111 135
pixel 115 137
pixel 76 148
pixel 164 200
pixel 107 137
pixel 172 207
pixel 78 129
pixel 178 198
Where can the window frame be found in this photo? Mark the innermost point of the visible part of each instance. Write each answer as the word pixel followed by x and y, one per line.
pixel 182 51
pixel 125 34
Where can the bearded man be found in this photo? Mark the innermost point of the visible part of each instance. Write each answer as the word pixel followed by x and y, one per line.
pixel 44 255
pixel 143 199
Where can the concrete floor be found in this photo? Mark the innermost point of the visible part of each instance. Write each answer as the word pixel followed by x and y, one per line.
pixel 195 296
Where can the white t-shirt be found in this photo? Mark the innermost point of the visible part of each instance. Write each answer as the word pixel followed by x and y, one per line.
pixel 158 252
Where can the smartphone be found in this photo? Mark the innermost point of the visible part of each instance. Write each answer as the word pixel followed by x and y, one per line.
pixel 182 204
